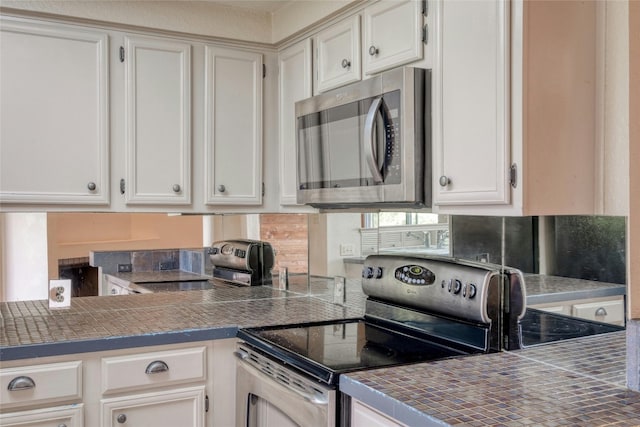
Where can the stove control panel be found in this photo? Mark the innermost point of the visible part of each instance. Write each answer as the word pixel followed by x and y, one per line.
pixel 415 275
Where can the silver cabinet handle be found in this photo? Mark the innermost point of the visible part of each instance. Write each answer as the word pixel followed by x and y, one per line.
pixel 373 51
pixel 369 142
pixel 222 188
pixel 176 188
pixel 601 312
pixel 156 367
pixel 121 419
pixel 92 186
pixel 346 63
pixel 21 383
pixel 444 181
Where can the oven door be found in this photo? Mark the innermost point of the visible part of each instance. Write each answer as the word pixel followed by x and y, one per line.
pixel 269 395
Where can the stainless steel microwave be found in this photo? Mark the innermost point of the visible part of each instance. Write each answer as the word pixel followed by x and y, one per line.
pixel 367 144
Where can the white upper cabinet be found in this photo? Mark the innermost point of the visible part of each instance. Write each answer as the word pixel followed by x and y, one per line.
pixel 233 127
pixel 338 55
pixel 294 64
pixel 158 121
pixel 54 110
pixel 392 34
pixel 471 105
pixel 514 102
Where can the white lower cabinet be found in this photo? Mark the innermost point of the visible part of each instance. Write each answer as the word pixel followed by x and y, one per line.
pixel 177 385
pixel 26 388
pixel 63 416
pixel 365 416
pixel 183 407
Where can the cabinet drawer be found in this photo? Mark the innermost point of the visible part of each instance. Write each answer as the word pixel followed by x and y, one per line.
pixel 146 370
pixel 38 384
pixel 69 416
pixel 601 311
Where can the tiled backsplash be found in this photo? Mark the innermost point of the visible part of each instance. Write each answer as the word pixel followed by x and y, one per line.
pixel 191 260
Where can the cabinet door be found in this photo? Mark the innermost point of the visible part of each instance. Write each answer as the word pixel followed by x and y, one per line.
pixel 158 121
pixel 67 416
pixel 471 104
pixel 233 133
pixel 363 416
pixel 392 35
pixel 183 407
pixel 338 55
pixel 295 85
pixel 54 114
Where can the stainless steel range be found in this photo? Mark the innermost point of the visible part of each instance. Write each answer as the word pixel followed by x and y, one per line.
pixel 242 262
pixel 418 309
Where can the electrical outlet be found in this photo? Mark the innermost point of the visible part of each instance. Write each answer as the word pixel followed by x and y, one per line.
pixel 60 293
pixel 124 268
pixel 167 265
pixel 347 249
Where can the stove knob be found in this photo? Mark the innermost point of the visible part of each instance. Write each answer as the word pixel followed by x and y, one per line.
pixel 442 284
pixel 449 285
pixel 472 290
pixel 457 287
pixel 378 272
pixel 367 272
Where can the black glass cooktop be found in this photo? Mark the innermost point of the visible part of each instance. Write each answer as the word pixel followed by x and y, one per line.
pixel 539 327
pixel 325 350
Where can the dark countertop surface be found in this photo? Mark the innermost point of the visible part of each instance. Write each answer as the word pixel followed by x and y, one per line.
pixel 31 329
pixel 577 382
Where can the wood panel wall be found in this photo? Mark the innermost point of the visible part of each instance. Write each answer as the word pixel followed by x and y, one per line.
pixel 289 235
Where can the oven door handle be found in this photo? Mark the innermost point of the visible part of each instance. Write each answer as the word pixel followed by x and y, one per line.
pixel 369 141
pixel 312 398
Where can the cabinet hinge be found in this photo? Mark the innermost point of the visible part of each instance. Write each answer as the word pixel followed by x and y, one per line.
pixel 263 189
pixel 122 186
pixel 513 175
pixel 206 403
pixel 121 53
pixel 264 71
pixel 425 34
pixel 425 8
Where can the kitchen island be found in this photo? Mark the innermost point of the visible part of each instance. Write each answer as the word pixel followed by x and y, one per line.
pixel 576 382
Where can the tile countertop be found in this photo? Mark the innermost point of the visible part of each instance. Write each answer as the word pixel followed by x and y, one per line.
pixel 576 382
pixel 31 329
pixel 543 289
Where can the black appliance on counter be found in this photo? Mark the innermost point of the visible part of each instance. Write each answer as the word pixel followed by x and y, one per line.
pixel 242 262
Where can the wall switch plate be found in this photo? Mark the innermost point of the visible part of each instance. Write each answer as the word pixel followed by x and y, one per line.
pixel 60 293
pixel 339 290
pixel 347 249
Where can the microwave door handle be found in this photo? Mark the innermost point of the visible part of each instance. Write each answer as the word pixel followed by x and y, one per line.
pixel 369 141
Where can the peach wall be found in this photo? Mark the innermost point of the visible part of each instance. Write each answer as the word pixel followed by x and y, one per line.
pixel 74 235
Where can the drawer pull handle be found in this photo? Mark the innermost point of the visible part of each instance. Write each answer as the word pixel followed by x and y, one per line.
pixel 156 367
pixel 601 312
pixel 62 425
pixel 121 419
pixel 21 383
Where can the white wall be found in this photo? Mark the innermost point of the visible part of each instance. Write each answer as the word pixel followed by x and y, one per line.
pixel 342 228
pixel 24 267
